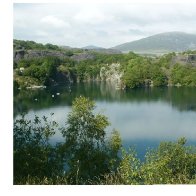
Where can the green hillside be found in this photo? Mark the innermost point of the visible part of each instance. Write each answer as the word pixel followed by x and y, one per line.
pixel 161 43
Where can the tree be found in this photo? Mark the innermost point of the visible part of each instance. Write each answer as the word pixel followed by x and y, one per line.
pixel 170 163
pixel 136 72
pixel 128 170
pixel 51 46
pixel 157 76
pixel 34 156
pixel 84 150
pixel 69 53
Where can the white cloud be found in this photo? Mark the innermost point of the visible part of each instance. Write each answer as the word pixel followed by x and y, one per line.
pixel 41 33
pixel 105 25
pixel 92 17
pixel 54 21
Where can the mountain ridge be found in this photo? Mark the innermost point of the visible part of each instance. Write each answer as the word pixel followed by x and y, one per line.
pixel 92 47
pixel 162 42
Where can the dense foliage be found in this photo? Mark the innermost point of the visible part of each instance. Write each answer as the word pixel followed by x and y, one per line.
pixel 87 157
pixel 30 45
pixel 185 76
pixel 44 71
pixel 141 71
pixel 85 149
pixel 137 70
pixel 33 154
pixel 170 163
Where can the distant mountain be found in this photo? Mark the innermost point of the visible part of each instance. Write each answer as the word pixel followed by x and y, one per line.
pixel 161 43
pixel 101 50
pixel 66 47
pixel 92 47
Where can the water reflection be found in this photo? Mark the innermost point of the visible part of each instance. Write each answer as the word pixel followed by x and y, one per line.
pixel 180 98
pixel 152 121
pixel 144 117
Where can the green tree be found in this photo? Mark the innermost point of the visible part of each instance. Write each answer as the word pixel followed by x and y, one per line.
pixel 33 154
pixel 157 76
pixel 170 163
pixel 51 46
pixel 84 150
pixel 136 72
pixel 69 53
pixel 114 144
pixel 129 168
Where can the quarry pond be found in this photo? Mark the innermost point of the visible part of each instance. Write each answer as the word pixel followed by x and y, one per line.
pixel 143 116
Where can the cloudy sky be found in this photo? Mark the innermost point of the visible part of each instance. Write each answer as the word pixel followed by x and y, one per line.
pixel 104 25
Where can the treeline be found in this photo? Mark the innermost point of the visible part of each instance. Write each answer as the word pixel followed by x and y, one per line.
pixel 44 70
pixel 161 71
pixel 138 71
pixel 31 45
pixel 87 157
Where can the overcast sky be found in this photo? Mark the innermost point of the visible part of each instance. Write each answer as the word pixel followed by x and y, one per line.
pixel 104 25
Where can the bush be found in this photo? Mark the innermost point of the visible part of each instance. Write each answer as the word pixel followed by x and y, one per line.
pixel 33 154
pixel 171 163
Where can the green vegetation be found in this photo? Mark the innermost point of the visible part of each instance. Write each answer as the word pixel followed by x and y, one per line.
pixel 33 154
pixel 171 163
pixel 137 71
pixel 30 45
pixel 42 71
pixel 142 71
pixel 160 43
pixel 184 76
pixel 87 157
pixel 85 150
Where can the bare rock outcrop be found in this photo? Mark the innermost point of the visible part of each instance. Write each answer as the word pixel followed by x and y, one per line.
pixel 113 74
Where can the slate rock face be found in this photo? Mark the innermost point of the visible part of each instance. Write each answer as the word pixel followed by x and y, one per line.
pixel 185 59
pixel 42 53
pixel 82 56
pixel 192 58
pixel 30 54
pixel 19 54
